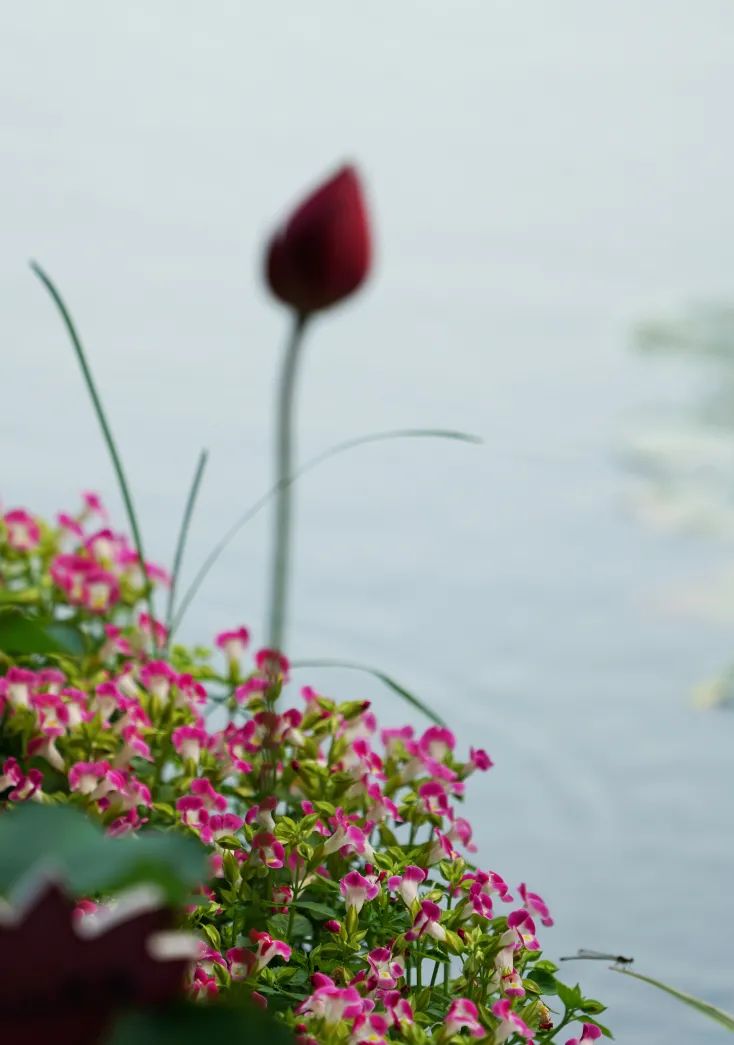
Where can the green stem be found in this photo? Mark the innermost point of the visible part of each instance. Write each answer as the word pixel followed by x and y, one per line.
pixel 106 432
pixel 182 537
pixel 434 974
pixel 283 469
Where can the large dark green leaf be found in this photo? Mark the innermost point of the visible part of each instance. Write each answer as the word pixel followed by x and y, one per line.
pixel 195 1024
pixel 63 841
pixel 20 634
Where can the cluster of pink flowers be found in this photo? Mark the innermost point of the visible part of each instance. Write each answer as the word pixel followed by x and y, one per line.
pixel 341 885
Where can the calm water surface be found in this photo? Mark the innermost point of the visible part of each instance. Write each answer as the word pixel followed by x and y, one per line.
pixel 543 176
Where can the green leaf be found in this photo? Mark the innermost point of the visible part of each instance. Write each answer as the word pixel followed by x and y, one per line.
pixel 722 1017
pixel 21 634
pixel 62 840
pixel 321 909
pixel 196 1024
pixel 387 680
pixel 570 996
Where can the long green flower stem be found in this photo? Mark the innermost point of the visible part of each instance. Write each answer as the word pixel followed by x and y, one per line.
pixel 283 469
pixel 106 432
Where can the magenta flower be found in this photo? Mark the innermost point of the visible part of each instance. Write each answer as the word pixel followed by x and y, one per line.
pixel 233 644
pixel 267 948
pixel 406 885
pixel 356 890
pixel 524 926
pixel 386 970
pixel 267 849
pixel 589 1032
pixel 463 1015
pixel 24 785
pixel 436 743
pixel 188 741
pixel 433 798
pixel 510 1022
pixel 478 759
pixel 535 904
pixel 22 532
pixel 330 1003
pixel 427 923
pixel 322 253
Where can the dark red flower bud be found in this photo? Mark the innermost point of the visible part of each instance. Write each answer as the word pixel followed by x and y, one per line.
pixel 321 254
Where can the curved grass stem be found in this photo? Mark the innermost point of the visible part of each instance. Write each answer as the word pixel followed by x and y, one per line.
pixel 106 432
pixel 183 536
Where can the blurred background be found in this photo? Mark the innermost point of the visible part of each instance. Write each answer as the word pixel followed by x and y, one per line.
pixel 551 186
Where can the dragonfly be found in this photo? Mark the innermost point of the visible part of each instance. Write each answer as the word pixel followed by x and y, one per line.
pixel 598 956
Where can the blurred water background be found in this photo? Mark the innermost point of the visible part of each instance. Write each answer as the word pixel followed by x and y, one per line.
pixel 544 176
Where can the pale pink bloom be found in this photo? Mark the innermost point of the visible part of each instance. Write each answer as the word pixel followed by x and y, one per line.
pixel 356 890
pixel 461 831
pixel 427 923
pixel 233 644
pixel 510 1022
pixel 22 532
pixel 535 904
pixel 589 1032
pixel 505 974
pixel 406 885
pixel 462 1015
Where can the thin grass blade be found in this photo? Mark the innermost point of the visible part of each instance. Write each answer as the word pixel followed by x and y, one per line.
pixel 104 425
pixel 722 1017
pixel 387 680
pixel 184 533
pixel 332 451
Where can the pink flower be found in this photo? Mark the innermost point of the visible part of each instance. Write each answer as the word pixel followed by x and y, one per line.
pixel 357 889
pixel 233 644
pixel 267 849
pixel 267 948
pixel 462 1015
pixel 272 663
pixel 535 904
pixel 386 970
pixel 510 1022
pixel 262 814
pixel 333 926
pixel 433 798
pixel 347 838
pixel 22 532
pixel 157 676
pixel 202 788
pixel 23 785
pixel 436 743
pixel 93 505
pixel 427 923
pixel 589 1032
pixel 330 1003
pixel 188 742
pixel 100 590
pixel 216 826
pixel 524 926
pixel 478 759
pixel 19 683
pixel 322 253
pixel 406 885
pixel 95 779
